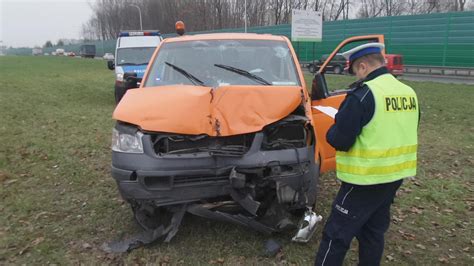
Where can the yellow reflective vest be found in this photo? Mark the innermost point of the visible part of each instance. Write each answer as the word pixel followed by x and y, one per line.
pixel 385 150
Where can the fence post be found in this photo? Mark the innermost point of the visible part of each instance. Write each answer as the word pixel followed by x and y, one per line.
pixel 298 50
pixel 389 41
pixel 306 50
pixel 446 38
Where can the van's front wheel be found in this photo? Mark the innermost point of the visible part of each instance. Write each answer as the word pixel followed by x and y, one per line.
pixel 119 93
pixel 150 217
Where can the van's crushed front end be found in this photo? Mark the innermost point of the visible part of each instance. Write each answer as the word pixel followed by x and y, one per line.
pixel 261 177
pixel 275 163
pixel 263 172
pixel 242 153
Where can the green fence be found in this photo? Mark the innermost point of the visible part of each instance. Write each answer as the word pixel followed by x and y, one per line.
pixel 441 39
pixel 101 47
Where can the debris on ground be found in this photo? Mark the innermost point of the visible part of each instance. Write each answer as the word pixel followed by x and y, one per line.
pixel 272 247
pixel 147 236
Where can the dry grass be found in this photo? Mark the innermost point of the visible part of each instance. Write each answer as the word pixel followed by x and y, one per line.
pixel 58 202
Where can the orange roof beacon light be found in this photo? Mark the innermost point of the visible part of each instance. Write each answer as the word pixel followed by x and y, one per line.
pixel 180 28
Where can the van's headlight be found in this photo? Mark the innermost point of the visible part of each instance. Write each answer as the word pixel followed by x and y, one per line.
pixel 289 133
pixel 123 142
pixel 119 77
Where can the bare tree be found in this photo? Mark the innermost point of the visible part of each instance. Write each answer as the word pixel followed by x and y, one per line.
pixel 345 10
pixel 111 16
pixel 371 8
pixel 456 5
pixel 461 4
pixel 395 7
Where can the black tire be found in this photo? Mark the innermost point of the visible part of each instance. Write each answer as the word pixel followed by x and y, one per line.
pixel 311 68
pixel 150 217
pixel 119 93
pixel 337 70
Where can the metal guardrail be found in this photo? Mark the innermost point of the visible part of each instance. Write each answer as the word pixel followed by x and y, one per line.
pixel 436 70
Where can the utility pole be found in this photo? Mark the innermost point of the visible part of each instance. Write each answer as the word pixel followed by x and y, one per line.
pixel 140 14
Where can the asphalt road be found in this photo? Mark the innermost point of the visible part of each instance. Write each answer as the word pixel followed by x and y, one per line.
pixel 439 78
pixel 433 78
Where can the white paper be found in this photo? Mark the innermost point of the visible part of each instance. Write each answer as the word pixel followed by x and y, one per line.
pixel 327 110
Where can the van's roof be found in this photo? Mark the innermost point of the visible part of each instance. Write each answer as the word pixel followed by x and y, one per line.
pixel 226 36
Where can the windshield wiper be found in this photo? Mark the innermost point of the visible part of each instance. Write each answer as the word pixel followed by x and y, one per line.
pixel 132 64
pixel 244 73
pixel 185 73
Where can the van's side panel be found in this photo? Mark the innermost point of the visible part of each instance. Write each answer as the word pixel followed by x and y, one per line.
pixel 323 122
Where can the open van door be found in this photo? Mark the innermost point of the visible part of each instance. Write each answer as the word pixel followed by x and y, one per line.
pixel 322 96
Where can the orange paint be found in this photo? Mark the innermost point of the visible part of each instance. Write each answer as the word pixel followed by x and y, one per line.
pixel 373 38
pixel 195 110
pixel 323 123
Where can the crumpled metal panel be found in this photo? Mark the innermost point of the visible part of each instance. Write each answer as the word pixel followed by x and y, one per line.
pixel 194 110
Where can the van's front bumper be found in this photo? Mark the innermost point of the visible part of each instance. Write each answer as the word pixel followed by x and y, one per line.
pixel 174 179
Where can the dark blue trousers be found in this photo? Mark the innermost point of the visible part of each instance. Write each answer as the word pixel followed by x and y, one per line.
pixel 362 212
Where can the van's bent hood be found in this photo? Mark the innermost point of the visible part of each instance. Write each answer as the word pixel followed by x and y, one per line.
pixel 195 110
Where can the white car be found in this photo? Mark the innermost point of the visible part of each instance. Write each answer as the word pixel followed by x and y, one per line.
pixel 59 51
pixel 108 56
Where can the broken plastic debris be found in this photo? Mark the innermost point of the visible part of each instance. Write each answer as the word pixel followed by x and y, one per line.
pixel 307 227
pixel 147 236
pixel 138 240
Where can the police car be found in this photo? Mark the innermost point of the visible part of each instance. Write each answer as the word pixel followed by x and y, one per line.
pixel 132 54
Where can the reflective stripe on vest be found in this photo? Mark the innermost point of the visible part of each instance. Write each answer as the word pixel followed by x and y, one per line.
pixel 385 151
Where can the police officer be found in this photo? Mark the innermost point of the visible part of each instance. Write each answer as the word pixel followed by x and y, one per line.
pixel 375 136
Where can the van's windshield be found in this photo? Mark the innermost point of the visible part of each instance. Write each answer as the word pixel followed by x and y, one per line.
pixel 223 62
pixel 134 56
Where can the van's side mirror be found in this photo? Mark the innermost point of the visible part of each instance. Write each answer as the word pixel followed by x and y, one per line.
pixel 319 89
pixel 130 80
pixel 110 65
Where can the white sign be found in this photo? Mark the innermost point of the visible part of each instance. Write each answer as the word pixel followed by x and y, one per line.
pixel 306 26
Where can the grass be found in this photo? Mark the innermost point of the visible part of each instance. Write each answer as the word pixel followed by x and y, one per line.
pixel 58 202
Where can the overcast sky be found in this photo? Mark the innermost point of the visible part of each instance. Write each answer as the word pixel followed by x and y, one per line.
pixel 33 22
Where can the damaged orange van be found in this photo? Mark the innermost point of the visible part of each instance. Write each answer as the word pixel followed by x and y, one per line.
pixel 222 126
